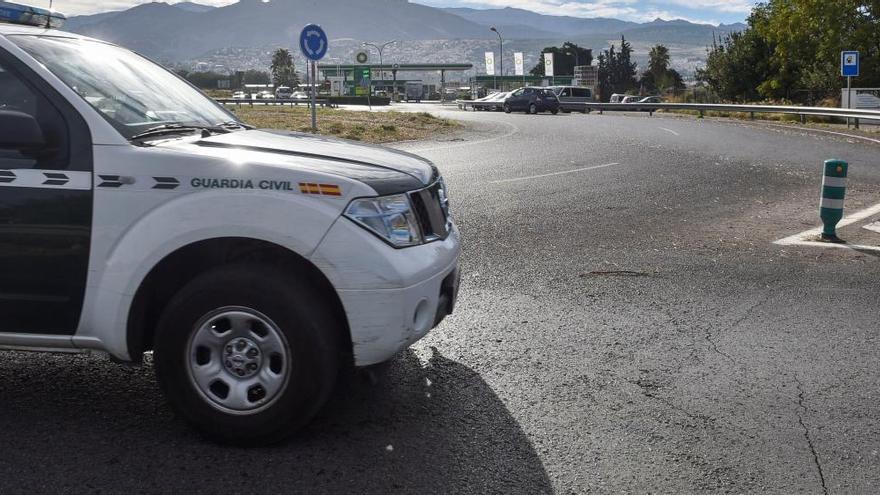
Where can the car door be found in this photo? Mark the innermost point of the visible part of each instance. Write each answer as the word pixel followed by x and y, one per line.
pixel 513 101
pixel 45 206
pixel 528 97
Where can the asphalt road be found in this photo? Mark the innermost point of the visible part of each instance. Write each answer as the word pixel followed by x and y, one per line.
pixel 625 324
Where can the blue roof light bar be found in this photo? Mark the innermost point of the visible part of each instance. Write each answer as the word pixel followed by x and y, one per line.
pixel 32 16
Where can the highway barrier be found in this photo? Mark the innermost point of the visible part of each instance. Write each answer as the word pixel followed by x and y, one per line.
pixel 844 113
pixel 323 102
pixel 833 193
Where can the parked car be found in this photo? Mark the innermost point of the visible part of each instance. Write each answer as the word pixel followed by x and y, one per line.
pixel 265 95
pixel 532 100
pixel 616 98
pixel 651 99
pixel 630 99
pixel 572 98
pixel 299 95
pixel 283 92
pixel 239 95
pixel 492 102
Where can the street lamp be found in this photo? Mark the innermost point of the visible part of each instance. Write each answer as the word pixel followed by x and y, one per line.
pixel 500 53
pixel 379 49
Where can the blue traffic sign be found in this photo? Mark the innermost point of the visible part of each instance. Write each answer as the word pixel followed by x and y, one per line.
pixel 849 64
pixel 313 42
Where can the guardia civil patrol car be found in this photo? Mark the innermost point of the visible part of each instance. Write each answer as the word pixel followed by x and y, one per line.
pixel 137 214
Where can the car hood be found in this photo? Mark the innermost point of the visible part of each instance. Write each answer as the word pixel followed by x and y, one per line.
pixel 386 170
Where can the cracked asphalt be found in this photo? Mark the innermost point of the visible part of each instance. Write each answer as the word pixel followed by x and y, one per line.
pixel 624 328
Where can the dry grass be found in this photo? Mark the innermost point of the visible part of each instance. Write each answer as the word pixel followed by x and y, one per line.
pixel 372 127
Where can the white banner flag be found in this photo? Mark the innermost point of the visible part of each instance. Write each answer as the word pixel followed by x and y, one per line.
pixel 490 63
pixel 518 62
pixel 548 64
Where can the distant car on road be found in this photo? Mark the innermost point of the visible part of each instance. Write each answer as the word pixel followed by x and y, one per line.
pixel 532 100
pixel 572 98
pixel 283 92
pixel 630 99
pixel 651 99
pixel 299 95
pixel 239 95
pixel 265 95
pixel 616 98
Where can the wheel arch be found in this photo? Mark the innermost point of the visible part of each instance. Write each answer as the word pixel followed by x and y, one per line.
pixel 187 262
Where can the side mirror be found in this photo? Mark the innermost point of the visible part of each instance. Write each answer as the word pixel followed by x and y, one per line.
pixel 20 131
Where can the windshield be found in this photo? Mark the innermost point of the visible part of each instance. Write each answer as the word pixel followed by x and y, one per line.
pixel 131 92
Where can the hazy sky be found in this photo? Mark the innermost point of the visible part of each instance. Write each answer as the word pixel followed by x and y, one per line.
pixel 711 11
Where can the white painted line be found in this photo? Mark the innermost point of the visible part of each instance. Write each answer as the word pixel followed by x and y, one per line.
pixel 873 227
pixel 854 247
pixel 804 238
pixel 594 167
pixel 458 144
pixel 669 131
pixel 810 129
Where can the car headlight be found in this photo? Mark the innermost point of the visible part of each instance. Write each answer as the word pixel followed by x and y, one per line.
pixel 390 217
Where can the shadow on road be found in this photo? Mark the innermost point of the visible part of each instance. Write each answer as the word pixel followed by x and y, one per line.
pixel 80 423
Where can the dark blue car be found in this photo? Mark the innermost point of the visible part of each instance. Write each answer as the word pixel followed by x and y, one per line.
pixel 532 100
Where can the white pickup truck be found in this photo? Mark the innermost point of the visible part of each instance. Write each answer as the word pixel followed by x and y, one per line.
pixel 137 214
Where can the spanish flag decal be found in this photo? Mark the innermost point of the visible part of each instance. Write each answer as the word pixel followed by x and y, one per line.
pixel 321 189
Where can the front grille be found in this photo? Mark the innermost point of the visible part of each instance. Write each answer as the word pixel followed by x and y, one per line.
pixel 432 209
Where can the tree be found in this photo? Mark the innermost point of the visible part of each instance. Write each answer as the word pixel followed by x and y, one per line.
pixel 282 69
pixel 791 50
pixel 616 71
pixel 659 76
pixel 658 61
pixel 738 66
pixel 564 59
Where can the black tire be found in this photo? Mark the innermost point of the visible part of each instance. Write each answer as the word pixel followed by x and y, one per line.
pixel 533 109
pixel 554 111
pixel 309 337
pixel 506 108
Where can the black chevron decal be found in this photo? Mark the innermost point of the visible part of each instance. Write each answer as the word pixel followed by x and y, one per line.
pixel 166 183
pixel 110 181
pixel 55 179
pixel 6 176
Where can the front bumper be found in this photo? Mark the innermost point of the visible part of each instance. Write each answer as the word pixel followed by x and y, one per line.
pixel 392 297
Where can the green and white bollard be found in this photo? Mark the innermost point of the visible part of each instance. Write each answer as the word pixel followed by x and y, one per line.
pixel 833 193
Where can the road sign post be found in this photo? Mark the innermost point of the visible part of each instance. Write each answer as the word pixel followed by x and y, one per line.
pixel 314 44
pixel 849 68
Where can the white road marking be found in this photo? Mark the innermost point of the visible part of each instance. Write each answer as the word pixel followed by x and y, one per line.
pixel 594 167
pixel 669 131
pixel 802 239
pixel 873 227
pixel 809 129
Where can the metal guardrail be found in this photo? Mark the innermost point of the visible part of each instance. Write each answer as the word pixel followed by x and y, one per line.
pixel 324 102
pixel 803 112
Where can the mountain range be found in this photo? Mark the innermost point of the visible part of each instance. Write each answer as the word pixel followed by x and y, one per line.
pixel 182 31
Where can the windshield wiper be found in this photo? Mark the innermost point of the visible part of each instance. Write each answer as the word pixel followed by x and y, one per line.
pixel 167 129
pixel 207 130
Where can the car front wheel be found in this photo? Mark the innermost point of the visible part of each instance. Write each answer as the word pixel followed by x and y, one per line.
pixel 533 109
pixel 246 354
pixel 506 108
